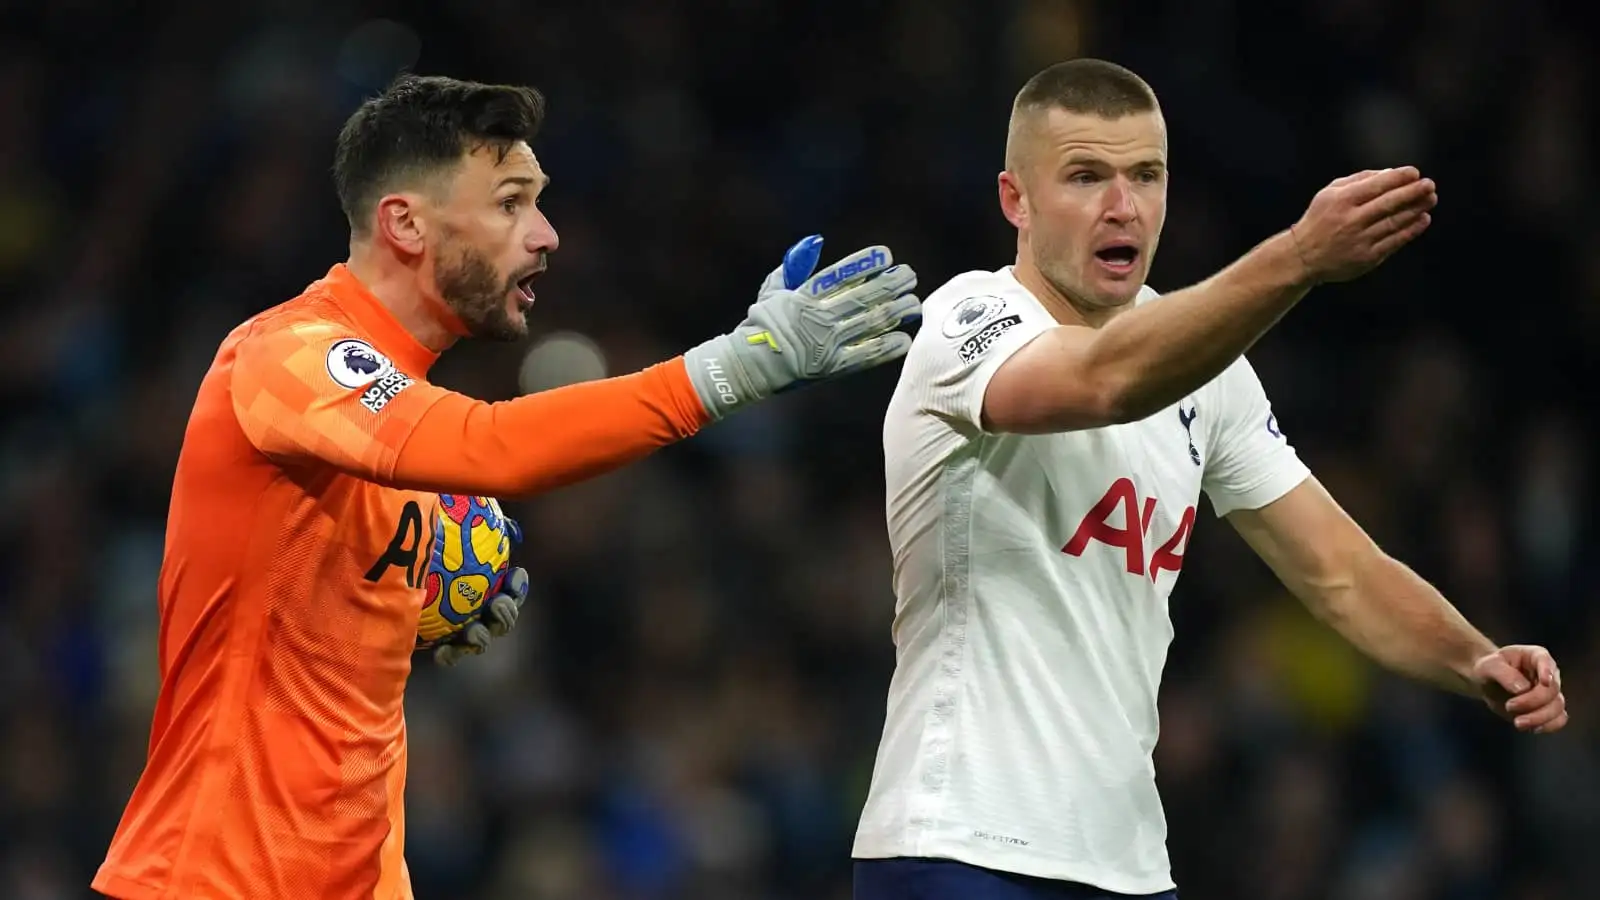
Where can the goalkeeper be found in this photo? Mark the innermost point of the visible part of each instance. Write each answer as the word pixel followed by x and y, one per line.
pixel 289 591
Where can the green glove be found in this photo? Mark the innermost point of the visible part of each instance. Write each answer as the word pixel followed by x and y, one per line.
pixel 842 320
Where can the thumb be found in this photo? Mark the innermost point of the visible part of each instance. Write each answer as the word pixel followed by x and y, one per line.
pixel 1498 669
pixel 801 260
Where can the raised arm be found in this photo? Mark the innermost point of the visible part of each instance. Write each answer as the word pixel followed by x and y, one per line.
pixel 1074 377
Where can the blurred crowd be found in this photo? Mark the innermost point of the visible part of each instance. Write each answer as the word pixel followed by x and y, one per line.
pixel 691 707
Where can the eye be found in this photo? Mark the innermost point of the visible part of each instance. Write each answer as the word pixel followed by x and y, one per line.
pixel 1084 178
pixel 1149 176
pixel 509 205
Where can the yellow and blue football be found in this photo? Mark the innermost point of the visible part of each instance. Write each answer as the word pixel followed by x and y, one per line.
pixel 467 565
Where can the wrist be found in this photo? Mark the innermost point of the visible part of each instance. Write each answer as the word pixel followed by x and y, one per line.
pixel 1475 653
pixel 718 378
pixel 1288 252
pixel 1464 669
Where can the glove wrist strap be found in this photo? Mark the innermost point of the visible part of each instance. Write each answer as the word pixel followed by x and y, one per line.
pixel 719 378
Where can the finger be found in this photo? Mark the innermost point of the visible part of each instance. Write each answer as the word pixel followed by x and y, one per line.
pixel 1533 699
pixel 502 615
pixel 1542 716
pixel 476 635
pixel 801 260
pixel 883 289
pixel 853 269
pixel 1353 177
pixel 1554 725
pixel 1361 190
pixel 873 352
pixel 513 531
pixel 448 655
pixel 1544 667
pixel 877 320
pixel 1387 247
pixel 1398 222
pixel 1421 202
pixel 1500 671
pixel 516 585
pixel 1421 195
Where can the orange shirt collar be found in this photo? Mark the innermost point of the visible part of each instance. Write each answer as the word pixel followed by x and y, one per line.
pixel 392 338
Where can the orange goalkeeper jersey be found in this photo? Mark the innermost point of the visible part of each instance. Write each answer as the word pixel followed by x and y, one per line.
pixel 290 590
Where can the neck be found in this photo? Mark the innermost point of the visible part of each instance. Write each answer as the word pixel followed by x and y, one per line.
pixel 398 287
pixel 1066 309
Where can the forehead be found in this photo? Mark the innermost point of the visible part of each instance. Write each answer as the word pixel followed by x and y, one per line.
pixel 485 167
pixel 1138 137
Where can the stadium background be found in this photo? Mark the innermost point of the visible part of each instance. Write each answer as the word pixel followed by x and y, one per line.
pixel 691 710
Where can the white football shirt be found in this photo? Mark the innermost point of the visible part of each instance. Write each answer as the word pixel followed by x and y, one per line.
pixel 1031 576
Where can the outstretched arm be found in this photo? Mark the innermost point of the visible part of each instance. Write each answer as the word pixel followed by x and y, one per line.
pixel 547 440
pixel 383 425
pixel 1392 614
pixel 1073 377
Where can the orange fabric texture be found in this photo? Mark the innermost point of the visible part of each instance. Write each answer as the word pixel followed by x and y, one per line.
pixel 290 590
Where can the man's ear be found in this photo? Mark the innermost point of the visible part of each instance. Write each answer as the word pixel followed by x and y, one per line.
pixel 400 223
pixel 1013 199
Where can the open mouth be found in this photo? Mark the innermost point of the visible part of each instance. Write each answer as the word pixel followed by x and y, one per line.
pixel 525 286
pixel 1119 257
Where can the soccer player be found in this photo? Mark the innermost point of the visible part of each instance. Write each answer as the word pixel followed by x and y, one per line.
pixel 289 592
pixel 1054 425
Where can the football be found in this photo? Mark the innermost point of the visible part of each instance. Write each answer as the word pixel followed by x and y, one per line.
pixel 467 564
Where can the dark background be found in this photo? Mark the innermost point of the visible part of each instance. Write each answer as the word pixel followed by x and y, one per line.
pixel 692 709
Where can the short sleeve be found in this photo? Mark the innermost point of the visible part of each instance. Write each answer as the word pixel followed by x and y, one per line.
pixel 314 391
pixel 1250 462
pixel 964 343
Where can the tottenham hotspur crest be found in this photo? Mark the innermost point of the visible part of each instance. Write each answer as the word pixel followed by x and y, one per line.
pixel 1186 416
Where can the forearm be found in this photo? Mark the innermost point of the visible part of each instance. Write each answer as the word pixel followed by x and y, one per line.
pixel 550 439
pixel 1154 354
pixel 1394 616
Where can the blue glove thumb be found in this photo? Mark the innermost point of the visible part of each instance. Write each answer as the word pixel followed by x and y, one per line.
pixel 800 260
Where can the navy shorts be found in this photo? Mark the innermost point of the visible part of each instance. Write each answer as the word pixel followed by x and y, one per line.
pixel 943 879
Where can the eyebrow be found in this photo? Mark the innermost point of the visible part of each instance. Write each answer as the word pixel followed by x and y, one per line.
pixel 1081 159
pixel 523 181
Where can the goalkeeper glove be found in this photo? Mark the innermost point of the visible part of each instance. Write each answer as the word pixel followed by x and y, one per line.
pixel 496 620
pixel 805 328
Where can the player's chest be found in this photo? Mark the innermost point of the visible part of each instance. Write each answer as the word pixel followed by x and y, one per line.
pixel 1127 494
pixel 385 534
pixel 1163 456
pixel 402 538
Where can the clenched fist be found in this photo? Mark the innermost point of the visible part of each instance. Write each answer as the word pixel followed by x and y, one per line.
pixel 1522 684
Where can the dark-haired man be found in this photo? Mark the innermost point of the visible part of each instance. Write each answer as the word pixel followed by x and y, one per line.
pixel 1054 426
pixel 289 593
